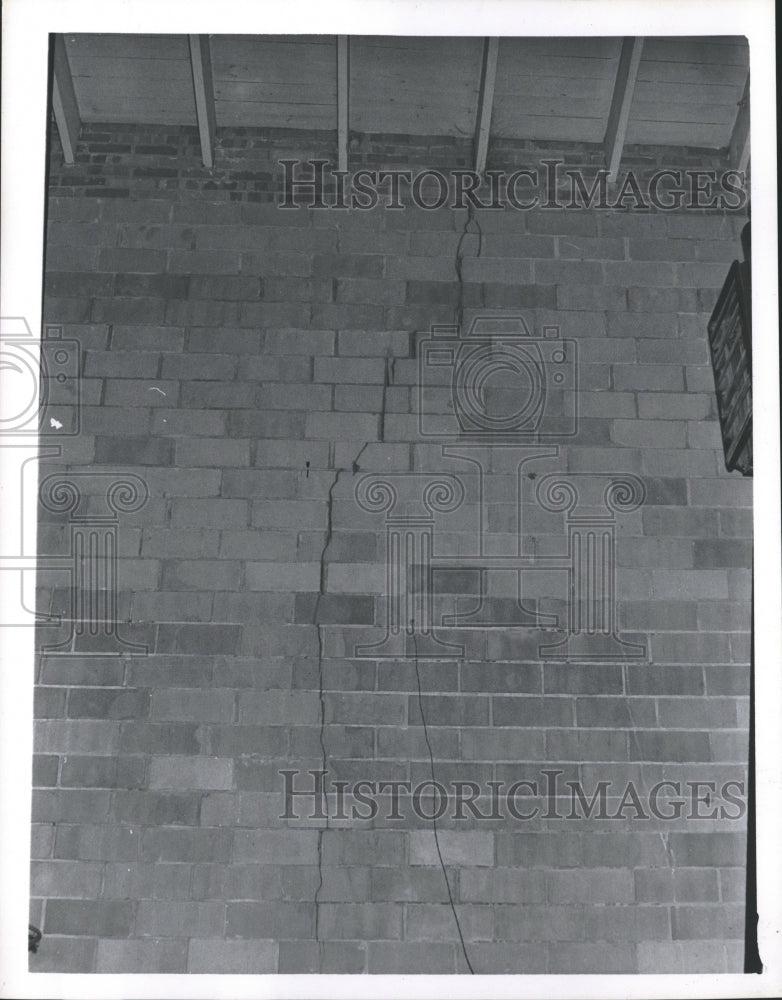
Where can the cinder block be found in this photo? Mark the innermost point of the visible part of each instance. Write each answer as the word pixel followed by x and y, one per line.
pixel 358 290
pixel 280 576
pixel 179 543
pixel 121 364
pixel 618 712
pixel 190 772
pixel 595 744
pixel 103 772
pixel 661 249
pixel 507 744
pixel 134 311
pixel 126 260
pixel 146 338
pixel 356 578
pixel 540 923
pixel 469 848
pixel 649 433
pixel 151 737
pixel 88 917
pixel 177 918
pixel 147 956
pixel 183 844
pixel 700 275
pixel 234 957
pixel 65 954
pixel 326 956
pixel 427 922
pixel 597 678
pixel 678 746
pixel 107 703
pixel 41 840
pixel 692 584
pixel 366 709
pixel 271 485
pixel 601 885
pixel 258 545
pixel 598 958
pixel 406 957
pixel 339 316
pixel 133 451
pixel 200 638
pixel 567 224
pixel 71 879
pixel 667 377
pixel 664 405
pixel 723 921
pixel 638 273
pixel 223 513
pixel 156 809
pixel 222 287
pixel 725 492
pixel 45 768
pixel 690 647
pixel 348 265
pixel 271 920
pixel 668 679
pixel 724 616
pixel 191 705
pixel 342 426
pixel 280 847
pixel 199 366
pixel 197 574
pixel 204 261
pixel 364 921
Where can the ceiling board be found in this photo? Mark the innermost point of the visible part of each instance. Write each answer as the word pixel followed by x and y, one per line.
pixel 688 89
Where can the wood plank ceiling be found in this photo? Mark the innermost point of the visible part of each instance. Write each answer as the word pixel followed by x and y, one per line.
pixel 653 91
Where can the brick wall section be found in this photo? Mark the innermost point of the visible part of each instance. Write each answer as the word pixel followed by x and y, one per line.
pixel 236 357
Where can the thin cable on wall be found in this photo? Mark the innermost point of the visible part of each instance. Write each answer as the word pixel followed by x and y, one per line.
pixel 434 784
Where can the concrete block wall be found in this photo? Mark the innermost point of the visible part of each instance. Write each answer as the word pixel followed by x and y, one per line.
pixel 251 365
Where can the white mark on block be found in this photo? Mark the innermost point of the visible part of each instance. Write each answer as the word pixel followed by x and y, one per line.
pixel 154 388
pixel 55 424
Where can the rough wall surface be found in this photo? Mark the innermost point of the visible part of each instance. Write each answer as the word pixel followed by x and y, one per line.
pixel 251 366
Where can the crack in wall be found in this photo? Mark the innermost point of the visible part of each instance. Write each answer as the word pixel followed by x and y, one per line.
pixel 459 260
pixel 354 468
pixel 459 320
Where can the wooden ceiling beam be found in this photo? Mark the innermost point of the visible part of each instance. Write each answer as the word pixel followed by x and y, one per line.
pixel 739 139
pixel 485 102
pixel 619 115
pixel 343 100
pixel 203 88
pixel 64 103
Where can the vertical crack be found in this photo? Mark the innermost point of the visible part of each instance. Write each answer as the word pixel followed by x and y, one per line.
pixel 469 222
pixel 321 690
pixel 322 584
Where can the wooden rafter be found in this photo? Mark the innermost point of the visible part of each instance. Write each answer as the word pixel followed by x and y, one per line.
pixel 619 115
pixel 201 64
pixel 343 100
pixel 739 140
pixel 64 103
pixel 485 102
